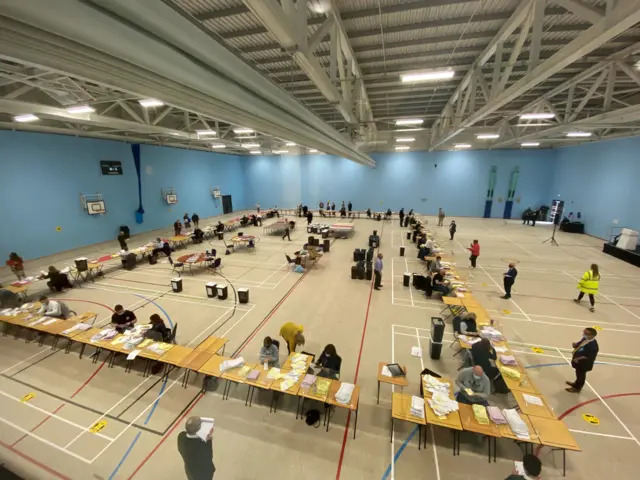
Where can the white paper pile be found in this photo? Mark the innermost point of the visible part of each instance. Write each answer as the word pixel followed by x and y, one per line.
pixel 205 428
pixel 532 400
pixel 433 385
pixel 508 360
pixel 417 407
pixel 500 349
pixel 104 334
pixel 231 363
pixel 416 352
pixel 517 425
pixel 344 393
pixel 442 405
pixel 469 340
pixel 37 321
pixel 492 334
pixel 299 363
pixel 386 372
pixel 273 373
pixel 78 326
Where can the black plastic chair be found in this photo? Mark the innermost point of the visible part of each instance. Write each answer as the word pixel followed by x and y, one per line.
pixel 174 330
pixel 216 265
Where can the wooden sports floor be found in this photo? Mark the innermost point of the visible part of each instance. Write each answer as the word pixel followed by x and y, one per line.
pixel 47 436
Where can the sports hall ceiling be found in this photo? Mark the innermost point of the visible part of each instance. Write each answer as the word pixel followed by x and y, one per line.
pixel 324 75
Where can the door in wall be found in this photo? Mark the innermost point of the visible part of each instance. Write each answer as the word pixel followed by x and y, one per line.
pixel 227 206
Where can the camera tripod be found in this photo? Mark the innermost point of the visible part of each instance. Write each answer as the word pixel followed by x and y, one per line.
pixel 552 239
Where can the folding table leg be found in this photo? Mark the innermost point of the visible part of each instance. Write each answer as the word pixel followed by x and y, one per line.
pixel 248 392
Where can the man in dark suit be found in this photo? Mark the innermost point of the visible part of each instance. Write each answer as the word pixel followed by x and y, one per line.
pixel 196 453
pixel 509 280
pixel 584 356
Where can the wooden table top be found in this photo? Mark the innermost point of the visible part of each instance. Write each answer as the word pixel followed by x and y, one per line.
pixel 451 420
pixel 212 345
pixel 506 432
pixel 293 390
pixel 195 360
pixel 287 363
pixel 178 238
pixel 453 301
pixel 17 289
pixel 212 366
pixel 534 410
pixel 355 396
pixel 401 409
pixel 262 381
pixel 554 433
pixel 311 393
pixel 176 355
pixel 400 381
pixel 234 373
pixel 17 319
pixel 469 422
pixel 151 355
pixel 84 337
pixel 55 325
pixel 524 385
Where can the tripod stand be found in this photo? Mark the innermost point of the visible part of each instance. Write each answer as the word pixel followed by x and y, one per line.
pixel 552 239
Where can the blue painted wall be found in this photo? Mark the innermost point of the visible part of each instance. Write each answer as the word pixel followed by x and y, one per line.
pixel 42 176
pixel 458 184
pixel 600 180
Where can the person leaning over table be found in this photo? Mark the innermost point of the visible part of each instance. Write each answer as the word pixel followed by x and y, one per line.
pixel 440 284
pixel 122 319
pixel 436 266
pixel 584 356
pixel 532 467
pixel 270 353
pixel 474 386
pixel 53 308
pixel 196 453
pixel 220 226
pixel 292 334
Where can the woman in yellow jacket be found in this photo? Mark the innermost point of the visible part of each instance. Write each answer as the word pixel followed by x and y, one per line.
pixel 589 284
pixel 292 334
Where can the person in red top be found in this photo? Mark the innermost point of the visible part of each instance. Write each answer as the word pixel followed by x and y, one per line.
pixel 475 252
pixel 16 264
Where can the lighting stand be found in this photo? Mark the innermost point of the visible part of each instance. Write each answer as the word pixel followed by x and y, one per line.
pixel 552 239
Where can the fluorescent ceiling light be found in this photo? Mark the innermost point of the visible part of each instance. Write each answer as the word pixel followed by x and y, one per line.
pixel 290 144
pixel 203 133
pixel 29 117
pixel 255 151
pixel 537 116
pixel 402 148
pixel 405 139
pixel 533 124
pixel 250 145
pixel 487 136
pixel 530 144
pixel 313 150
pixel 81 109
pixel 637 65
pixel 409 129
pixel 462 145
pixel 280 151
pixel 150 102
pixel 409 121
pixel 242 130
pixel 579 134
pixel 218 145
pixel 427 76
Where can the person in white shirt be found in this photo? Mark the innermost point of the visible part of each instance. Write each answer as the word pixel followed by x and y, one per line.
pixel 51 308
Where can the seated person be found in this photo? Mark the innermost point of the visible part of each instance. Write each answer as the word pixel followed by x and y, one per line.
pixel 436 266
pixel 244 221
pixel 292 334
pixel 439 284
pixel 473 386
pixel 258 220
pixel 52 308
pixel 57 279
pixel 198 236
pixel 122 319
pixel 158 331
pixel 532 467
pixel 429 245
pixel 343 212
pixel 465 324
pixel 330 362
pixel 368 213
pixel 220 226
pixel 270 353
pixel 9 299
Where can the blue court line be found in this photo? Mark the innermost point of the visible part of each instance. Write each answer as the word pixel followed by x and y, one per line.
pixel 155 404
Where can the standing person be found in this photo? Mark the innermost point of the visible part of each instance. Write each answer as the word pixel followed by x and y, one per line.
pixel 440 217
pixel 349 207
pixel 16 264
pixel 292 334
pixel 343 205
pixel 177 227
pixel 530 469
pixel 584 356
pixel 333 208
pixel 286 233
pixel 258 207
pixel 452 228
pixel 321 208
pixel 475 252
pixel 187 221
pixel 509 280
pixel 377 271
pixel 196 453
pixel 122 240
pixel 589 284
pixel 343 211
pixel 309 217
pixel 196 220
pixel 401 215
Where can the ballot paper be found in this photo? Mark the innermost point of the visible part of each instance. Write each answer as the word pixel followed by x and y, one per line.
pixel 232 363
pixel 50 321
pixel 480 412
pixel 500 349
pixel 37 321
pixel 205 428
pixel 386 372
pixel 273 373
pixel 416 352
pixel 78 326
pixel 133 354
pixel 519 468
pixel 532 400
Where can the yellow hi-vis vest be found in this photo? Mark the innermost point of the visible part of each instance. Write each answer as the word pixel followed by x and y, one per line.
pixel 588 284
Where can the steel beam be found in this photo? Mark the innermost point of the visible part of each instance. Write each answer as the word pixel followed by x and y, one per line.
pixel 611 81
pixel 629 72
pixel 515 52
pixel 582 10
pixel 536 33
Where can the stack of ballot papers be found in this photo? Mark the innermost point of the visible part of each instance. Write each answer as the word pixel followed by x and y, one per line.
pixel 442 405
pixel 469 340
pixel 500 349
pixel 37 321
pixel 322 386
pixel 516 424
pixel 492 334
pixel 344 393
pixel 273 373
pixel 495 415
pixel 205 428
pixel 78 326
pixel 308 381
pixel 299 362
pixel 510 372
pixel 533 400
pixel 253 375
pixel 105 334
pixel 231 363
pixel 508 360
pixel 480 412
pixel 244 371
pixel 433 385
pixel 159 347
pixel 417 406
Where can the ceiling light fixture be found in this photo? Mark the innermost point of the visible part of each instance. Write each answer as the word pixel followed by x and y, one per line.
pixel 150 102
pixel 530 144
pixel 290 144
pixel 81 109
pixel 405 139
pixel 401 148
pixel 462 145
pixel 29 117
pixel 410 121
pixel 534 124
pixel 537 116
pixel 579 134
pixel 487 136
pixel 313 150
pixel 409 129
pixel 204 133
pixel 255 151
pixel 218 145
pixel 427 76
pixel 278 152
pixel 242 130
pixel 250 145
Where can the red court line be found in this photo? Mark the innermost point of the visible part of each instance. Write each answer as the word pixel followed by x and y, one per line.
pixel 35 462
pixel 88 301
pixel 60 407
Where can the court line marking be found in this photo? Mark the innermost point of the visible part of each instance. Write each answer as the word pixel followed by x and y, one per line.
pixel 393 389
pixel 276 271
pixel 500 288
pixel 601 434
pixel 193 278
